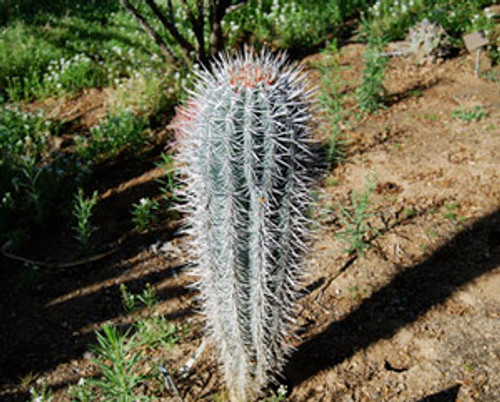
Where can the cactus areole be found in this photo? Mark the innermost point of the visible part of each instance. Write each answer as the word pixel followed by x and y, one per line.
pixel 244 145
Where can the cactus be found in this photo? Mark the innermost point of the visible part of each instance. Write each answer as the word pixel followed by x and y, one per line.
pixel 428 41
pixel 244 140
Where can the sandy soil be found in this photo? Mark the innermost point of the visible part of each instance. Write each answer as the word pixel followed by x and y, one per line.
pixel 416 318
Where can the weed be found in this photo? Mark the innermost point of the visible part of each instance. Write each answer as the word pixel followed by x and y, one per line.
pixel 169 181
pixel 356 227
pixel 41 395
pixel 294 24
pixel 133 302
pixel 152 330
pixel 119 132
pixel 353 290
pixel 416 93
pixel 371 92
pixel 27 380
pixel 150 92
pixel 469 115
pixel 82 391
pixel 118 357
pixel 27 182
pixel 409 213
pixel 281 395
pixel 156 331
pixel 450 210
pixel 27 179
pixel 491 75
pixel 82 212
pixel 331 181
pixel 450 215
pixel 329 98
pixel 433 234
pixel 144 214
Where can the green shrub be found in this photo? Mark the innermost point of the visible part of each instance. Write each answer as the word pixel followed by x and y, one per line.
pixel 120 132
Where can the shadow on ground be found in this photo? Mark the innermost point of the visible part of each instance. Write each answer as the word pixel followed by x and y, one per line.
pixel 471 253
pixel 48 313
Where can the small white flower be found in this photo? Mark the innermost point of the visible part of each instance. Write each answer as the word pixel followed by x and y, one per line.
pixel 144 201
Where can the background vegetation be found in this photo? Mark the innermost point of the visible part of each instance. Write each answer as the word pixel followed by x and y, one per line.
pixel 60 49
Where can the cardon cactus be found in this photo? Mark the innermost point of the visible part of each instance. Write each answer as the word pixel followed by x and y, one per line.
pixel 244 145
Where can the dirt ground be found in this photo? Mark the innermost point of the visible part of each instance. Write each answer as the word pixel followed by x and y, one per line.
pixel 416 318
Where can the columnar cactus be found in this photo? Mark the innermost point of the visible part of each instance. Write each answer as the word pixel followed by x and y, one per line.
pixel 244 139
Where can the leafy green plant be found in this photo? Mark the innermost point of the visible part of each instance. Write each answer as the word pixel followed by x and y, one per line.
pixel 28 183
pixel 24 178
pixel 469 115
pixel 41 395
pixel 371 92
pixel 64 75
pixel 156 331
pixel 169 181
pixel 120 355
pixel 82 212
pixel 153 330
pixel 122 131
pixel 450 210
pixel 356 229
pixel 91 45
pixel 329 98
pixel 117 355
pixel 133 302
pixel 393 18
pixel 82 391
pixel 143 214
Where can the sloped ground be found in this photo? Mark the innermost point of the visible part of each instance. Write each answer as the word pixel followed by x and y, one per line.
pixel 417 315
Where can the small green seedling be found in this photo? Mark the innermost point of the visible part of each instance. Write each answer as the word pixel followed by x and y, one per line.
pixel 82 391
pixel 330 101
pixel 153 330
pixel 41 395
pixel 355 221
pixel 169 183
pixel 82 211
pixel 144 214
pixel 470 115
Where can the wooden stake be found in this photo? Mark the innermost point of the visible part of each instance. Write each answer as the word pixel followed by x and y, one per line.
pixel 478 61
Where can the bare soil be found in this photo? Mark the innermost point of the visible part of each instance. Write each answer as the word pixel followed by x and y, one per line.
pixel 415 318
